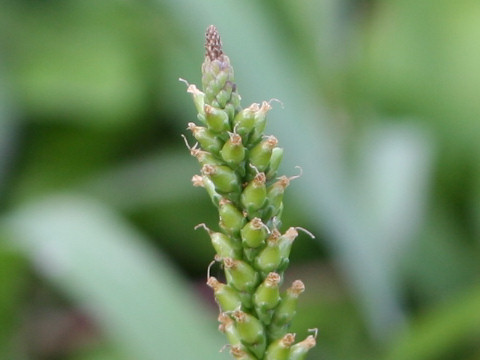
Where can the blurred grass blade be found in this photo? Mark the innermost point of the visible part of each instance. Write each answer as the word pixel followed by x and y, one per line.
pixel 8 128
pixel 442 330
pixel 106 267
pixel 154 179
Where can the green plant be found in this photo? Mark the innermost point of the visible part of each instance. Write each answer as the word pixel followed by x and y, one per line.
pixel 239 167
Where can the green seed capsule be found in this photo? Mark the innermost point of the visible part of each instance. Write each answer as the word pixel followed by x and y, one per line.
pixel 224 245
pixel 286 310
pixel 231 219
pixel 207 139
pixel 261 153
pixel 217 119
pixel 198 97
pixel 246 298
pixel 224 178
pixel 299 351
pixel 275 194
pixel 280 349
pixel 233 151
pixel 202 156
pixel 205 182
pixel 230 109
pixel 275 161
pixel 244 121
pixel 226 296
pixel 227 326
pixel 267 297
pixel 205 158
pixel 239 352
pixel 223 97
pixel 254 233
pixel 260 122
pixel 280 211
pixel 269 259
pixel 286 240
pixel 240 275
pixel 285 244
pixel 250 331
pixel 254 195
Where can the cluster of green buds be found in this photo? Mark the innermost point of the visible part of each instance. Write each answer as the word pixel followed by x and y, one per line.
pixel 239 172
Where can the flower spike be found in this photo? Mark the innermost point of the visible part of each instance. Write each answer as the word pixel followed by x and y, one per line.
pixel 238 170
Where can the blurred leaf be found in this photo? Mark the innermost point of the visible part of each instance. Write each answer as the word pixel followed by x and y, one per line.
pixel 145 182
pixel 13 283
pixel 81 61
pixel 106 266
pixel 441 330
pixel 439 264
pixel 421 57
pixel 99 353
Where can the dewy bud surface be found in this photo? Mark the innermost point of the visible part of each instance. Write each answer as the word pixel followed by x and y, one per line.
pixel 239 165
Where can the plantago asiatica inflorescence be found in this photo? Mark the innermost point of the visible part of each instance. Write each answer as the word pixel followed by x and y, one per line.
pixel 239 166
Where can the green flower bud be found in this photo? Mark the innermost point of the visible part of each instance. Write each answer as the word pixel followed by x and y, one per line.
pixel 239 352
pixel 217 119
pixel 224 245
pixel 280 349
pixel 205 182
pixel 240 275
pixel 246 298
pixel 223 177
pixel 244 121
pixel 217 73
pixel 275 160
pixel 261 153
pixel 202 156
pixel 250 331
pixel 227 326
pixel 254 233
pixel 260 122
pixel 207 139
pixel 223 96
pixel 269 259
pixel 231 219
pixel 267 297
pixel 226 296
pixel 299 351
pixel 231 110
pixel 198 98
pixel 286 310
pixel 275 195
pixel 286 240
pixel 285 244
pixel 233 151
pixel 254 195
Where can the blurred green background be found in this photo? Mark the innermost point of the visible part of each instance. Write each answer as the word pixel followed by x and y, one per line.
pixel 98 256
